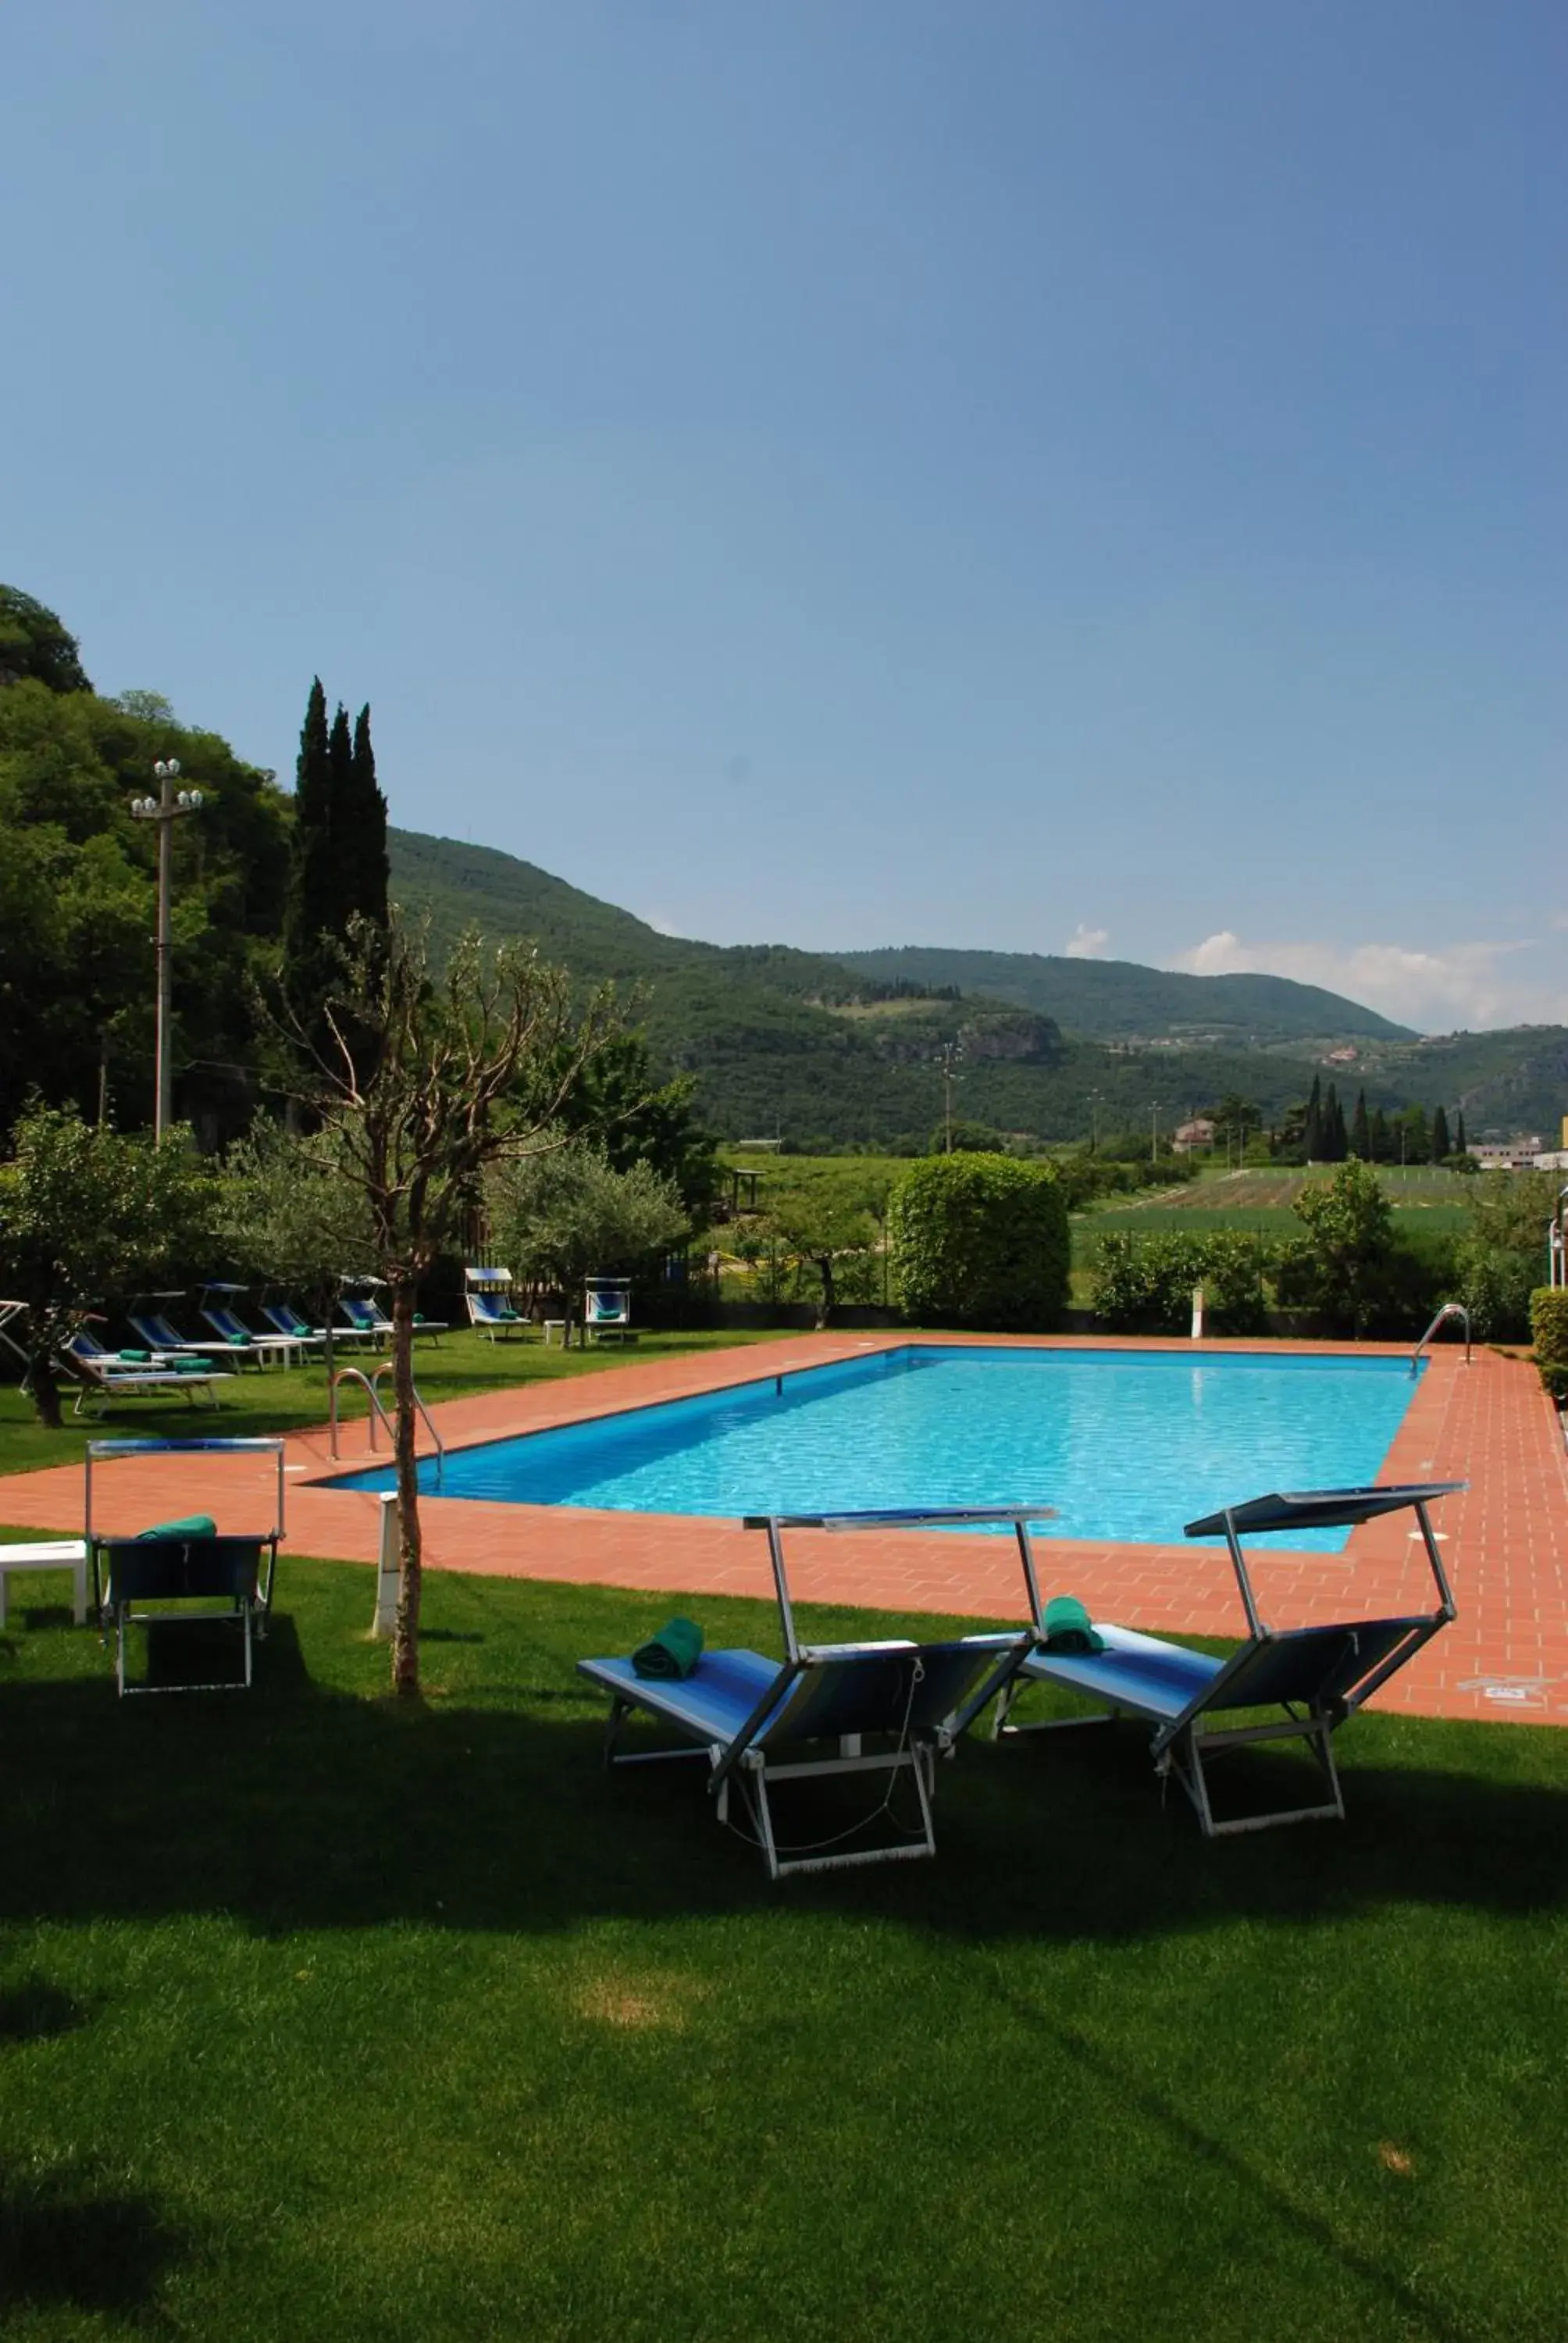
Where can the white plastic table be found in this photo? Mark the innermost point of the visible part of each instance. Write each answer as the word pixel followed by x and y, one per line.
pixel 57 1554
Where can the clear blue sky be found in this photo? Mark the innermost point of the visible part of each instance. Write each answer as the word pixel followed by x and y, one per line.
pixel 993 475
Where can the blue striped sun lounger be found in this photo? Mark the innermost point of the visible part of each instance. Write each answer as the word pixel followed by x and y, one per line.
pixel 887 1708
pixel 1314 1677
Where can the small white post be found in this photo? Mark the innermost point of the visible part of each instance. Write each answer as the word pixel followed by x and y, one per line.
pixel 387 1569
pixel 1197 1313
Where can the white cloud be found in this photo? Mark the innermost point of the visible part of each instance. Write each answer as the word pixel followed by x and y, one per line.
pixel 1087 943
pixel 1472 984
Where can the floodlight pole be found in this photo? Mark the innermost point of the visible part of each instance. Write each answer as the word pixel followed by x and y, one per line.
pixel 165 810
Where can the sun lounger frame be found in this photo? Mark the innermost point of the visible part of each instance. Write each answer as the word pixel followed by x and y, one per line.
pixel 226 1567
pixel 1251 1677
pixel 781 1717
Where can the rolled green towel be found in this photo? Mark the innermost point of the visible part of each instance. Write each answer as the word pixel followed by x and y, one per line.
pixel 673 1652
pixel 238 1342
pixel 1068 1626
pixel 184 1363
pixel 194 1525
pixel 137 1358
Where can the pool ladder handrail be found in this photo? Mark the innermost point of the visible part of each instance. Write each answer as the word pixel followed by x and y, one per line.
pixel 1449 1310
pixel 379 1412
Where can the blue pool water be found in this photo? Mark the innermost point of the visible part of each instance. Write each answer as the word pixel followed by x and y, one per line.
pixel 1125 1444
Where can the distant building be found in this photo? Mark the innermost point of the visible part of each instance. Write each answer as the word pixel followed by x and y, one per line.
pixel 1507 1154
pixel 1346 1057
pixel 1199 1133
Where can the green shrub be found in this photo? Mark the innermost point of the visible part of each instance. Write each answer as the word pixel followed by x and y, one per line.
pixel 1501 1256
pixel 1143 1284
pixel 980 1241
pixel 1549 1331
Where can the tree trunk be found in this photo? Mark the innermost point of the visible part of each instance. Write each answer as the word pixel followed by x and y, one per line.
pixel 45 1389
pixel 829 1296
pixel 405 1633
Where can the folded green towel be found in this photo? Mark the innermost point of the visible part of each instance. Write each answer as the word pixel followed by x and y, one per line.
pixel 186 1364
pixel 673 1652
pixel 137 1358
pixel 194 1525
pixel 240 1342
pixel 1068 1627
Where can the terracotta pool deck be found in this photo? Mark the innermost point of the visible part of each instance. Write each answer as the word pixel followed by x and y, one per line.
pixel 1488 1423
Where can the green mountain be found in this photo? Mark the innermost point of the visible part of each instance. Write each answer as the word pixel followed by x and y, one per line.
pixel 850 1050
pixel 1116 999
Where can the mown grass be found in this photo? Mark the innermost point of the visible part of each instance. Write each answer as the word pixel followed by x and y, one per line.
pixel 323 2016
pixel 289 1400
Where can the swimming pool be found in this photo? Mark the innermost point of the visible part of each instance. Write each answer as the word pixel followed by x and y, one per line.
pixel 1127 1445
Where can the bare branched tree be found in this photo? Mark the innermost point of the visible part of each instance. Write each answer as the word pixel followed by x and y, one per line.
pixel 415 1081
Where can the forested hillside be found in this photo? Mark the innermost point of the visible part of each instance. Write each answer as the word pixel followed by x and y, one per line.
pixel 1115 1000
pixel 870 1051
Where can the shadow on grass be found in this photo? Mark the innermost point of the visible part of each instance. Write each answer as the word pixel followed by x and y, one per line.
pixel 37 2011
pixel 296 1806
pixel 1110 2076
pixel 67 2239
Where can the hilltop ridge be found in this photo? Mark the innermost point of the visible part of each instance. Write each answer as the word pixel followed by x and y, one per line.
pixel 849 1050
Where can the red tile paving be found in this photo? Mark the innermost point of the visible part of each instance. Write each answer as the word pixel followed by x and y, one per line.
pixel 1488 1423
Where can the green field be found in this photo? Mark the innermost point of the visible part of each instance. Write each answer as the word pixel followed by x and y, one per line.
pixel 325 2018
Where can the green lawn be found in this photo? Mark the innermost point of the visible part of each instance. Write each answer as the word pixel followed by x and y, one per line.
pixel 325 2019
pixel 289 1400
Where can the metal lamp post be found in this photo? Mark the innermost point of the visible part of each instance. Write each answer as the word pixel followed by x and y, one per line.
pixel 165 810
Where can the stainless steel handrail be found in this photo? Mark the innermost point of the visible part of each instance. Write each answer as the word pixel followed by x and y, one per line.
pixel 1449 1310
pixel 355 1374
pixel 385 1369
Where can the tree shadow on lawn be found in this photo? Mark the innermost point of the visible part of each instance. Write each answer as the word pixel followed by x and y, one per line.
pixel 293 1807
pixel 70 2237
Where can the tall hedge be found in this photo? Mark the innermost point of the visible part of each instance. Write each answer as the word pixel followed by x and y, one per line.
pixel 1549 1329
pixel 980 1241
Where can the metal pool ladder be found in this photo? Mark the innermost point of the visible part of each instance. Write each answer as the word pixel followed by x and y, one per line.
pixel 379 1414
pixel 1449 1310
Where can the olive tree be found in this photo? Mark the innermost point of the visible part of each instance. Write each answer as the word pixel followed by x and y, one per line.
pixel 415 1083
pixel 287 1218
pixel 85 1212
pixel 567 1214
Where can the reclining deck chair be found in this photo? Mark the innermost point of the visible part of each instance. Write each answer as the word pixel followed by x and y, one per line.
pixel 607 1309
pixel 135 1580
pixel 157 1331
pixel 104 1375
pixel 487 1293
pixel 362 1314
pixel 1316 1675
pixel 284 1318
pixel 217 1307
pixel 758 1721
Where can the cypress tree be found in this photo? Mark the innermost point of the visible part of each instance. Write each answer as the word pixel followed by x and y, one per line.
pixel 1361 1129
pixel 1440 1147
pixel 1459 1147
pixel 1381 1148
pixel 338 866
pixel 1312 1130
pixel 1333 1146
pixel 310 907
pixel 369 819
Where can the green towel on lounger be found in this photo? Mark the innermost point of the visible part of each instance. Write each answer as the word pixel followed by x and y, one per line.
pixel 184 1364
pixel 1068 1627
pixel 673 1652
pixel 136 1358
pixel 194 1525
